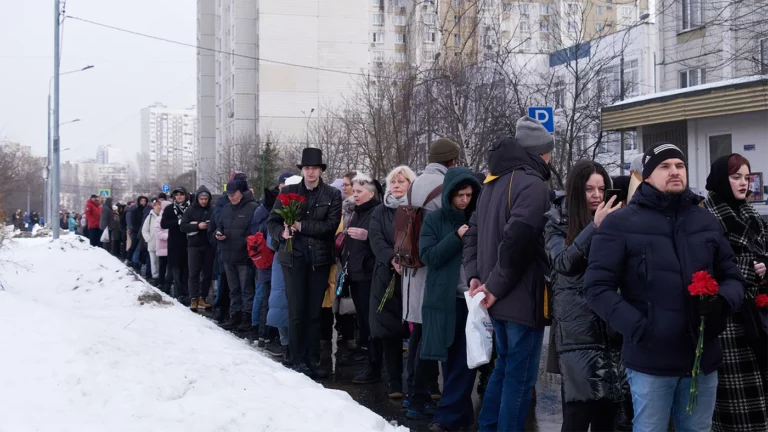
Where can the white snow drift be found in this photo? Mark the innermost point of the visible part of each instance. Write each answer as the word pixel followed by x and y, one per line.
pixel 81 353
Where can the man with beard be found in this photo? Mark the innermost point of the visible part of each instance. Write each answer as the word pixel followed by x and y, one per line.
pixel 177 243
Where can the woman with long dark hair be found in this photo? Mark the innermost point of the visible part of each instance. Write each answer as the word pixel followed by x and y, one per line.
pixel 742 388
pixel 589 362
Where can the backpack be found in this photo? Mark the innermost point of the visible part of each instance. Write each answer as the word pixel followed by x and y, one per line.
pixel 408 220
pixel 259 251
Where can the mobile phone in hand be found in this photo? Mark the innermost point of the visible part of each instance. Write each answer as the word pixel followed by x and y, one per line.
pixel 614 193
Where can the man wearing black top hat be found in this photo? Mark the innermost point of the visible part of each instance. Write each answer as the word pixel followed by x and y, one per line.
pixel 306 269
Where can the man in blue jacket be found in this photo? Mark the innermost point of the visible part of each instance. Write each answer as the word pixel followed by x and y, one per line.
pixel 649 251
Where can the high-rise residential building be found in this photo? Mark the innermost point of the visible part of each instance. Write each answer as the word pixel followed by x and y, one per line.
pixel 273 70
pixel 168 142
pixel 108 154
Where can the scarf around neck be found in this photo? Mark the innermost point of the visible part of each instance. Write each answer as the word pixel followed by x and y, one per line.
pixel 392 202
pixel 179 209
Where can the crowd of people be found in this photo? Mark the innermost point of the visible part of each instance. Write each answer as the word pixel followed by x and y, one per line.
pixel 387 265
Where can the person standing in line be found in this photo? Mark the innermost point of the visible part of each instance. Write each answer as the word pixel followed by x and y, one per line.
pixel 149 232
pixel 345 324
pixel 422 374
pixel 444 311
pixel 264 276
pixel 357 261
pixel 742 389
pixel 135 218
pixel 504 258
pixel 307 266
pixel 650 251
pixel 105 219
pixel 177 244
pixel 231 232
pixel 589 360
pixel 114 231
pixel 161 248
pixel 387 325
pixel 200 252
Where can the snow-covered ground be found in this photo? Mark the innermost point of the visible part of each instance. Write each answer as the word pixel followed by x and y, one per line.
pixel 80 352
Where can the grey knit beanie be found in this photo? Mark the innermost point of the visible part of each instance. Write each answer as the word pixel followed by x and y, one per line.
pixel 533 137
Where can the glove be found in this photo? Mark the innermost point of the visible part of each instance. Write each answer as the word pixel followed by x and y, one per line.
pixel 712 306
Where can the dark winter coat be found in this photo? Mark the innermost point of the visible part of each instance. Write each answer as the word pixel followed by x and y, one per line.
pixel 137 216
pixel 106 214
pixel 504 247
pixel 221 201
pixel 440 249
pixel 590 365
pixel 357 256
pixel 259 224
pixel 320 218
pixel 92 214
pixel 381 235
pixel 114 225
pixel 650 250
pixel 234 222
pixel 129 217
pixel 197 237
pixel 177 240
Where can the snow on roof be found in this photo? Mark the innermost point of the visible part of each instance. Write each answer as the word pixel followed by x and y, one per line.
pixel 708 86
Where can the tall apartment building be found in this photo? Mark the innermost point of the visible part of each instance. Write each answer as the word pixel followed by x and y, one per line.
pixel 168 142
pixel 108 154
pixel 271 60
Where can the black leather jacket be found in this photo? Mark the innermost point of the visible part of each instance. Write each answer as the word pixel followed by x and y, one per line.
pixel 320 218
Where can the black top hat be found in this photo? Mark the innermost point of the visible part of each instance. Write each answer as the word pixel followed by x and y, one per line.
pixel 311 156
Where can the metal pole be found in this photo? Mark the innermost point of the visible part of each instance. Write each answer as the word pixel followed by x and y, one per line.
pixel 27 198
pixel 621 96
pixel 56 67
pixel 47 197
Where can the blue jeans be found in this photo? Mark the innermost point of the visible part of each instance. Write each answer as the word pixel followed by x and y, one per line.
pixel 456 409
pixel 283 335
pixel 654 397
pixel 258 298
pixel 510 388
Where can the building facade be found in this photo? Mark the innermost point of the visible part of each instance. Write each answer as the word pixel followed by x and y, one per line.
pixel 168 142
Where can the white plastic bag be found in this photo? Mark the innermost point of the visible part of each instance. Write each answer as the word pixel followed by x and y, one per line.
pixel 479 332
pixel 105 236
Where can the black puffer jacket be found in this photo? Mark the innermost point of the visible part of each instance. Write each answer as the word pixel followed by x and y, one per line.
pixel 357 255
pixel 381 234
pixel 234 222
pixel 177 240
pixel 197 213
pixel 589 364
pixel 137 217
pixel 320 218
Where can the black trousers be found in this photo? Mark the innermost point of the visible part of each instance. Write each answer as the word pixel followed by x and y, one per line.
pixel 361 296
pixel 200 269
pixel 391 350
pixel 579 416
pixel 180 271
pixel 305 289
pixel 94 235
pixel 163 268
pixel 421 373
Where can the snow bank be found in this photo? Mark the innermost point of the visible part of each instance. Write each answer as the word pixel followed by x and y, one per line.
pixel 81 353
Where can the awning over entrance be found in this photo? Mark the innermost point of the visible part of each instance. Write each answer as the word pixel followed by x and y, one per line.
pixel 738 95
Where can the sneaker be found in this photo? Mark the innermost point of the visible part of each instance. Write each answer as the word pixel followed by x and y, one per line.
pixel 369 375
pixel 434 392
pixel 396 389
pixel 421 412
pixel 193 305
pixel 275 349
pixel 261 343
pixel 354 357
pixel 253 335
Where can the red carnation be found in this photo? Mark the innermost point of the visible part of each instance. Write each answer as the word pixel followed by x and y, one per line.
pixel 284 199
pixel 761 300
pixel 702 283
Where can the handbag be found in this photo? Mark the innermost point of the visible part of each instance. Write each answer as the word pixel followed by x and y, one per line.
pixel 339 243
pixel 343 305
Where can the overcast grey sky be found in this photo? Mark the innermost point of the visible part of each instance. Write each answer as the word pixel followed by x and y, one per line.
pixel 130 72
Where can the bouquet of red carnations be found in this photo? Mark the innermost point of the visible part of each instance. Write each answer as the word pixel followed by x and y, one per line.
pixel 291 211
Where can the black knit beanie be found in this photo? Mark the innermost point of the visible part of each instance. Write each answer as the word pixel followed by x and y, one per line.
pixel 658 154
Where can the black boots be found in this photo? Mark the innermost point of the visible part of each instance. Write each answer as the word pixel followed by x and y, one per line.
pixel 245 324
pixel 368 375
pixel 234 320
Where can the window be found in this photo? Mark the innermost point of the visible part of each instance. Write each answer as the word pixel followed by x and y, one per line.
pixel 457 39
pixel 599 10
pixel 457 19
pixel 544 9
pixel 571 26
pixel 524 27
pixel 544 27
pixel 559 94
pixel 377 37
pixel 690 14
pixel 544 46
pixel 233 82
pixel 377 3
pixel 693 77
pixel 399 20
pixel 626 16
pixel 400 57
pixel 763 45
pixel 457 3
pixel 524 8
pixel 719 145
pixel 378 19
pixel 598 27
pixel 378 56
pixel 526 46
pixel 430 36
pixel 573 9
pixel 399 38
pixel 429 18
pixel 507 7
pixel 631 78
pixel 608 84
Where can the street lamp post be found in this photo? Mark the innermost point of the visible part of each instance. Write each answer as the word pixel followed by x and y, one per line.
pixel 309 117
pixel 48 207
